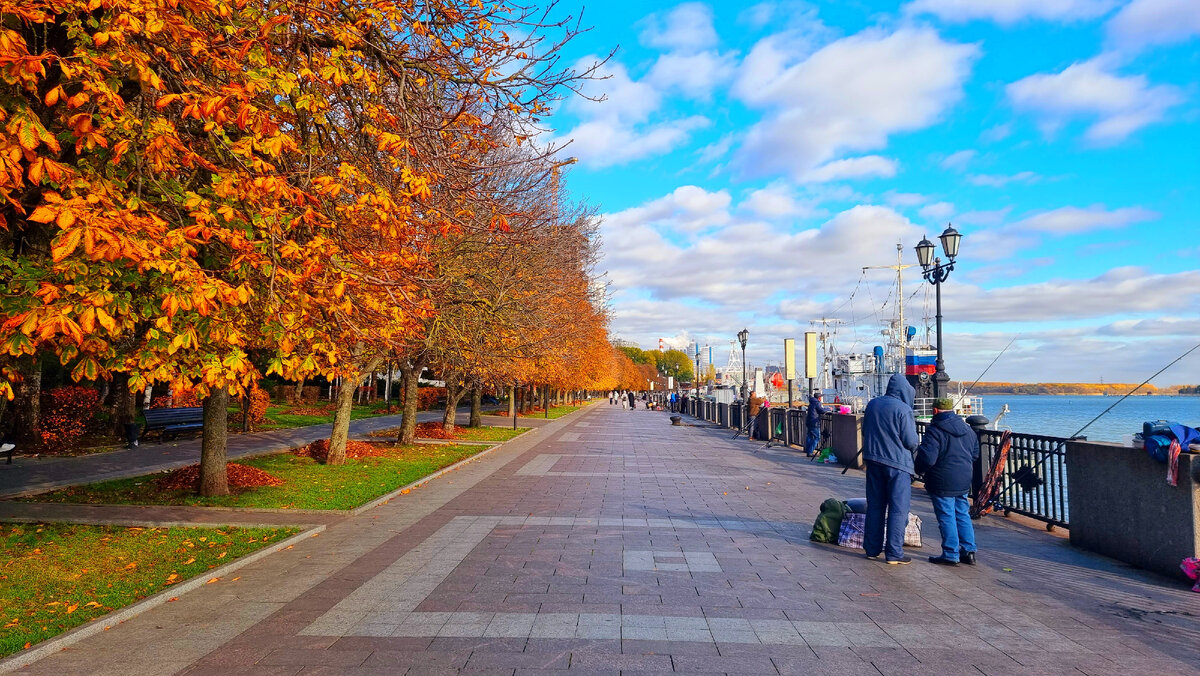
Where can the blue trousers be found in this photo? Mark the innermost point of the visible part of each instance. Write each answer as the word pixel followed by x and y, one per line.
pixel 813 439
pixel 889 492
pixel 954 521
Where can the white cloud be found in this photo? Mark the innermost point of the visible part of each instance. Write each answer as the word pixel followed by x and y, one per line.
pixel 958 161
pixel 1118 105
pixel 867 166
pixel 1007 12
pixel 904 199
pixel 850 95
pixel 938 211
pixel 1154 22
pixel 773 201
pixel 618 129
pixel 686 27
pixel 1001 180
pixel 1120 291
pixel 1074 220
pixel 695 75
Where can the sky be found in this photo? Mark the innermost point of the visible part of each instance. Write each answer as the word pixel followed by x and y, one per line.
pixel 748 160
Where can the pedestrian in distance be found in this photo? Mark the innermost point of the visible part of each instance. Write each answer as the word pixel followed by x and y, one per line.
pixel 623 400
pixel 812 424
pixel 946 458
pixel 889 440
pixel 632 399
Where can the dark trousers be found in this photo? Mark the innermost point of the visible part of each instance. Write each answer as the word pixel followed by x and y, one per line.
pixel 813 439
pixel 889 491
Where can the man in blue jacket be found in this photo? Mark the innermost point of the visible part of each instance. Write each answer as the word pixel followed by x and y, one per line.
pixel 889 439
pixel 946 457
pixel 812 423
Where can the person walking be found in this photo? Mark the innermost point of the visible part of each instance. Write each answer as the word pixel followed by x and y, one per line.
pixel 889 439
pixel 623 400
pixel 812 424
pixel 946 458
pixel 632 399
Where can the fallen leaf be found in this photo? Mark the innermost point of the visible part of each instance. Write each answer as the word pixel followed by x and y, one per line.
pixel 215 579
pixel 1007 570
pixel 236 578
pixel 289 546
pixel 131 566
pixel 71 609
pixel 222 555
pixel 406 491
pixel 191 560
pixel 173 598
pixel 92 604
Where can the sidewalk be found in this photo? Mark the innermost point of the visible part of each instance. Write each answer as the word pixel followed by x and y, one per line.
pixel 35 475
pixel 609 541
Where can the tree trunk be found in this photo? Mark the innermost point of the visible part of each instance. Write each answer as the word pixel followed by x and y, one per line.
pixel 213 451
pixel 409 374
pixel 28 401
pixel 341 414
pixel 476 407
pixel 341 426
pixel 512 401
pixel 124 408
pixel 454 394
pixel 300 391
pixel 546 397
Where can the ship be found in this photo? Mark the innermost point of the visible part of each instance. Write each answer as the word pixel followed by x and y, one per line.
pixel 851 379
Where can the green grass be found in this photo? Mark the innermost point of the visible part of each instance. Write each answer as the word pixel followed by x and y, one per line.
pixel 278 417
pixel 489 433
pixel 307 483
pixel 555 412
pixel 54 577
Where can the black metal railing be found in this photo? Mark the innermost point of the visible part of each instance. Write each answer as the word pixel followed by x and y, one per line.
pixel 1034 482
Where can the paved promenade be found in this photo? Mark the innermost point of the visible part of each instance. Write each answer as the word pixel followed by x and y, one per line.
pixel 610 542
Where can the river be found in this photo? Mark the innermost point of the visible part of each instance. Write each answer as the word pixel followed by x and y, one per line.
pixel 1062 415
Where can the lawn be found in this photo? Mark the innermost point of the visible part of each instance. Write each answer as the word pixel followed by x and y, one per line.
pixel 54 577
pixel 555 412
pixel 307 483
pixel 281 417
pixel 496 434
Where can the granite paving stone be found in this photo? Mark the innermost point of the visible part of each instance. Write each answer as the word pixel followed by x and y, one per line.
pixel 609 541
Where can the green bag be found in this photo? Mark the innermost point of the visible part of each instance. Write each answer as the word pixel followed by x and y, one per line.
pixel 829 522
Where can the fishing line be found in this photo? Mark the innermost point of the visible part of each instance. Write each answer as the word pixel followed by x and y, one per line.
pixel 1039 463
pixel 981 375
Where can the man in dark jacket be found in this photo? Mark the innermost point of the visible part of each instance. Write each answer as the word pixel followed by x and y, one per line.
pixel 946 457
pixel 812 423
pixel 889 439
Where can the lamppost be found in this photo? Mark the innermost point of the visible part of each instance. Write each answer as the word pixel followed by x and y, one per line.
pixel 743 336
pixel 696 379
pixel 935 272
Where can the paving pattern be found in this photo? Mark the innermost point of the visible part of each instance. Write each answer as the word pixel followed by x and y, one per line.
pixel 612 542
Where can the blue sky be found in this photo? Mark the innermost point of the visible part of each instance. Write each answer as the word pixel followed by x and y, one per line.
pixel 748 160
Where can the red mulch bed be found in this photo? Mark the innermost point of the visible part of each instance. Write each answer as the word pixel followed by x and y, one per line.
pixel 303 410
pixel 319 450
pixel 239 476
pixel 433 430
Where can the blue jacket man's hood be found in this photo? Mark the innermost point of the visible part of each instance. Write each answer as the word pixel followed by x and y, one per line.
pixel 815 409
pixel 899 388
pixel 889 428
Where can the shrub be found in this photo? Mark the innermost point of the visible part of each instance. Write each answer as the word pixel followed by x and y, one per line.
pixel 430 397
pixel 260 400
pixel 67 414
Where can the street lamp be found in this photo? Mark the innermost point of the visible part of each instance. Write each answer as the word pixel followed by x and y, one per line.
pixel 935 272
pixel 743 336
pixel 696 378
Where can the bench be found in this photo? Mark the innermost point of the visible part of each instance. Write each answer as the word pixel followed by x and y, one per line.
pixel 170 422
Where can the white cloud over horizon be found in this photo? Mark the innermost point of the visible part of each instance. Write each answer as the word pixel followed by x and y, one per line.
pixel 1008 12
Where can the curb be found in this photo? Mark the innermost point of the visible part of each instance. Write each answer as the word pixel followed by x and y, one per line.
pixel 53 645
pixel 426 479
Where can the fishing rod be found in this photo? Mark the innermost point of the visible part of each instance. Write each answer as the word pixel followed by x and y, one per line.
pixel 1093 420
pixel 981 375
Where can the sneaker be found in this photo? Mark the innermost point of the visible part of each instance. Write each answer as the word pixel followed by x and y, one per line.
pixel 873 557
pixel 967 558
pixel 942 561
pixel 902 561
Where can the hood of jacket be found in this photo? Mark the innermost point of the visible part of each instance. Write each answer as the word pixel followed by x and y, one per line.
pixel 951 423
pixel 899 388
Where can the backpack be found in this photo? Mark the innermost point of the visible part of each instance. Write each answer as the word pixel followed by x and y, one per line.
pixel 829 521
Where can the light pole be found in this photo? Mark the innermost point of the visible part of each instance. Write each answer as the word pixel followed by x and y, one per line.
pixel 936 272
pixel 696 378
pixel 743 336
